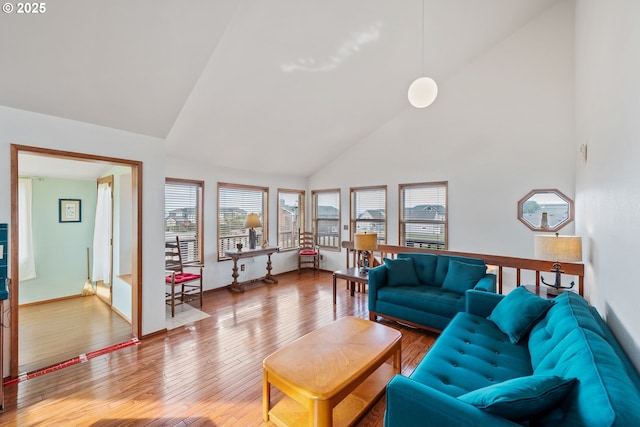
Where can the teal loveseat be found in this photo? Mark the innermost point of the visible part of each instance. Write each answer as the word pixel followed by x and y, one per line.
pixel 504 363
pixel 425 290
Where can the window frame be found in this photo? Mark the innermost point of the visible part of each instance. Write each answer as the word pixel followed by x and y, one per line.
pixel 315 220
pixel 199 214
pixel 353 221
pixel 301 219
pixel 402 223
pixel 242 238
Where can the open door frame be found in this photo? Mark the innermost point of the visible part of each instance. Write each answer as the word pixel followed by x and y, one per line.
pixel 136 244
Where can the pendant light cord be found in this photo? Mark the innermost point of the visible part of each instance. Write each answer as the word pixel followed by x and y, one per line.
pixel 422 45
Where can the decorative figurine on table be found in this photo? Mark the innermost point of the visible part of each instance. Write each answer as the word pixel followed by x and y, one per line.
pixel 239 246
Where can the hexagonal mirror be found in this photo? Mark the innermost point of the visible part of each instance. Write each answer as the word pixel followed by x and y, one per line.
pixel 545 210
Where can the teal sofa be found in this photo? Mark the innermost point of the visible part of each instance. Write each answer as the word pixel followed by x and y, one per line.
pixel 502 363
pixel 425 290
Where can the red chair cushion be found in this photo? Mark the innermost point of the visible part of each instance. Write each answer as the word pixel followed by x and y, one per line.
pixel 309 252
pixel 183 277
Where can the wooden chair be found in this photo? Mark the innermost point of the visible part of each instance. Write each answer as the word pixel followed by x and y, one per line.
pixel 180 286
pixel 308 251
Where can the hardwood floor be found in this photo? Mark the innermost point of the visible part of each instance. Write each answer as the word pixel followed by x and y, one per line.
pixel 208 373
pixel 81 324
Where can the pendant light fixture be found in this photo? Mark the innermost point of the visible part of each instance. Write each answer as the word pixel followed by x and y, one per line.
pixel 423 91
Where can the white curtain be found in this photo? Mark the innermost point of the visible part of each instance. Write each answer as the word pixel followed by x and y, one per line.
pixel 102 236
pixel 26 261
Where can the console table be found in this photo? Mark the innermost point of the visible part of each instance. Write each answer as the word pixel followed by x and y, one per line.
pixel 235 255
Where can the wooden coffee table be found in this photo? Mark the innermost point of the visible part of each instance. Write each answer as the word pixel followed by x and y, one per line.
pixel 331 376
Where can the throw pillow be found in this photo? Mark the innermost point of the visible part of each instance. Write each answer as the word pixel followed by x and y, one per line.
pixel 518 312
pixel 462 276
pixel 401 272
pixel 521 398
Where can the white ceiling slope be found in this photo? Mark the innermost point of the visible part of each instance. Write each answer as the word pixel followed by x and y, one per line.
pixel 271 86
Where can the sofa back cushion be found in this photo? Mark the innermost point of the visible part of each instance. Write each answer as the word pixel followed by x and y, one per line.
pixel 401 272
pixel 424 265
pixel 442 266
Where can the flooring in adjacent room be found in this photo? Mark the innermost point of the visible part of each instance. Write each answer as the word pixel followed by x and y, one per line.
pixel 53 332
pixel 204 373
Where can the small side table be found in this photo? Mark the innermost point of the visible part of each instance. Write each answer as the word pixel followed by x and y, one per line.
pixel 541 291
pixel 353 276
pixel 250 253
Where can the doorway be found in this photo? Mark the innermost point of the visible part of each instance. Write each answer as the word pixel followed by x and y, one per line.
pixel 134 255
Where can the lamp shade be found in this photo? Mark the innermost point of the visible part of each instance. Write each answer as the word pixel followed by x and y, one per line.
pixel 422 92
pixel 252 221
pixel 558 248
pixel 365 241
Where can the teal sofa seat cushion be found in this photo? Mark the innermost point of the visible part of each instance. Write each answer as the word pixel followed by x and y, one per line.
pixel 426 298
pixel 521 398
pixel 472 354
pixel 518 312
pixel 401 272
pixel 462 276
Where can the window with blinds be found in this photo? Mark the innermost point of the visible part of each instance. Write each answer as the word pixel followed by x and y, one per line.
pixel 326 217
pixel 423 215
pixel 183 215
pixel 235 202
pixel 369 211
pixel 290 217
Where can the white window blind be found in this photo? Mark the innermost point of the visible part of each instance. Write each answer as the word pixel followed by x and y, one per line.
pixel 183 216
pixel 423 215
pixel 326 218
pixel 290 217
pixel 235 202
pixel 368 211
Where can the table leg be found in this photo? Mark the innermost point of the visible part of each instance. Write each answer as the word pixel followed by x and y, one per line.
pixel 269 278
pixel 235 286
pixel 266 396
pixel 397 361
pixel 321 414
pixel 334 289
pixel 353 288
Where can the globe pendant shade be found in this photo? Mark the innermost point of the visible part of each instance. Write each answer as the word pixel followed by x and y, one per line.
pixel 422 92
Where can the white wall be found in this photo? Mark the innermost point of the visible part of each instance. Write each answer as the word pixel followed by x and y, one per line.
pixel 500 127
pixel 607 194
pixel 32 129
pixel 218 274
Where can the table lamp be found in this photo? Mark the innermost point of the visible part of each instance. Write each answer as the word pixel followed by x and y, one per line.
pixel 558 249
pixel 365 242
pixel 251 222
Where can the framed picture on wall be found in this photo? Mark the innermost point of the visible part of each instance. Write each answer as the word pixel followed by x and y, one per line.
pixel 69 210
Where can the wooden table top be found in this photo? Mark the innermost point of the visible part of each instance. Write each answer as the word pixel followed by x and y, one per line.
pixel 352 274
pixel 321 363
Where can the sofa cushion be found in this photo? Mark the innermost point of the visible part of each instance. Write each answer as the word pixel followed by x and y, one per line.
pixel 442 266
pixel 471 353
pixel 518 312
pixel 462 276
pixel 520 398
pixel 424 264
pixel 401 272
pixel 424 298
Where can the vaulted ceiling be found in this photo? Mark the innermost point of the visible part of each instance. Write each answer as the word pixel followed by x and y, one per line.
pixel 271 85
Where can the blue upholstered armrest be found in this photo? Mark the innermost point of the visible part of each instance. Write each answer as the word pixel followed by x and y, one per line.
pixel 487 283
pixel 481 303
pixel 412 404
pixel 377 279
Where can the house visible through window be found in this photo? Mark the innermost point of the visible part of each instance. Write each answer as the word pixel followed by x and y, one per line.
pixel 290 217
pixel 326 217
pixel 183 215
pixel 423 215
pixel 368 211
pixel 235 202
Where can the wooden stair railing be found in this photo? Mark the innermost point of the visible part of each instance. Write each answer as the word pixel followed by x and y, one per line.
pixel 501 262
